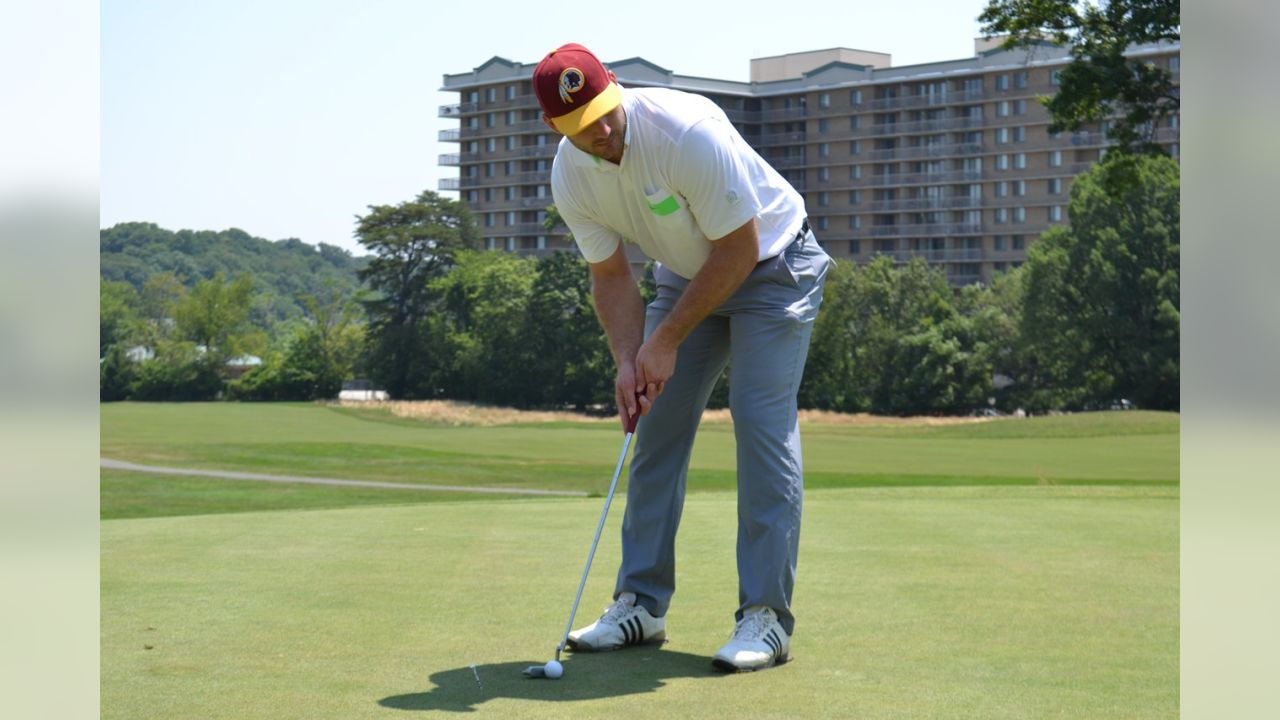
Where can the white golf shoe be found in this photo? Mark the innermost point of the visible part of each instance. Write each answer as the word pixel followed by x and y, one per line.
pixel 623 623
pixel 758 642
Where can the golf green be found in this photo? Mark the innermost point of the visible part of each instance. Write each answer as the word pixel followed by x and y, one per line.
pixel 931 602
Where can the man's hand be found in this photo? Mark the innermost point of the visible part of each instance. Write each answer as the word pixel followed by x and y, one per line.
pixel 655 364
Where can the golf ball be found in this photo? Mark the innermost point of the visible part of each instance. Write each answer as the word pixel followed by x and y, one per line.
pixel 553 669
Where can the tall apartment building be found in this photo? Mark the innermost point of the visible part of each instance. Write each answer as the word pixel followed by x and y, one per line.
pixel 951 161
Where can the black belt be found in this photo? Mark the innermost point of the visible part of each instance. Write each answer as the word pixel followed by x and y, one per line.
pixel 804 229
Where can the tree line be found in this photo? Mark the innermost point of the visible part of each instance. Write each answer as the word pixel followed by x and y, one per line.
pixel 1091 317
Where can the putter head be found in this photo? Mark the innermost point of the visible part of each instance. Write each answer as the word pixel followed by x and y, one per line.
pixel 535 671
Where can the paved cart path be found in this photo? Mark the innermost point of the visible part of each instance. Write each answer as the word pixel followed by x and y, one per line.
pixel 235 475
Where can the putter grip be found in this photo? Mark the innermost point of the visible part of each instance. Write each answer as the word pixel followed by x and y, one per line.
pixel 629 425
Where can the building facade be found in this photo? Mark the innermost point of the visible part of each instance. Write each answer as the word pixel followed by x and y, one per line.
pixel 950 161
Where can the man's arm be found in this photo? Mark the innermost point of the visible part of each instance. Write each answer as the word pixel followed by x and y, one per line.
pixel 621 312
pixel 731 261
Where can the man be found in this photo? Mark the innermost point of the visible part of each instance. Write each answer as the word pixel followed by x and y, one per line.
pixel 739 283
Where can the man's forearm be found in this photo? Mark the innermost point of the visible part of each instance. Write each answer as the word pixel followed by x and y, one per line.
pixel 621 312
pixel 731 261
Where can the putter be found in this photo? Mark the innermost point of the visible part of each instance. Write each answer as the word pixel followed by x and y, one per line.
pixel 630 428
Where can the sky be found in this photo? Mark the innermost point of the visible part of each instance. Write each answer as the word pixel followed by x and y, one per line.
pixel 288 119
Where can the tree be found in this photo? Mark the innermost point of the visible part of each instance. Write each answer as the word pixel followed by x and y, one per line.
pixel 215 315
pixel 413 243
pixel 890 340
pixel 566 346
pixel 1099 80
pixel 118 321
pixel 484 300
pixel 1101 314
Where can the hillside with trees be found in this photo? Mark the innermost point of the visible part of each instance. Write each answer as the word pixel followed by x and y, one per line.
pixel 284 271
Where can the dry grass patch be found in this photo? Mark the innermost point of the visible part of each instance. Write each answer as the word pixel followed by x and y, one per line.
pixel 461 414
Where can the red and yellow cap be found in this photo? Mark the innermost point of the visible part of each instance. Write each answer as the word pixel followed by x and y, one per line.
pixel 574 88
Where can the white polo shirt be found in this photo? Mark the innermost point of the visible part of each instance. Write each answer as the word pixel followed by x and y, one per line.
pixel 686 178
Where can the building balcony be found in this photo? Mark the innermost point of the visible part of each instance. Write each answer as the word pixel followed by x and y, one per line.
pixel 925 151
pixel 930 230
pixel 943 203
pixel 527 203
pixel 450 135
pixel 914 101
pixel 933 256
pixel 921 178
pixel 520 229
pixel 774 139
pixel 449 183
pixel 469 108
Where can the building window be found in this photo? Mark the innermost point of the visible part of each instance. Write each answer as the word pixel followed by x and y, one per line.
pixel 855 222
pixel 473 96
pixel 490 94
pixel 1055 77
pixel 822 223
pixel 855 172
pixel 1019 107
pixel 1055 186
pixel 824 149
pixel 1019 243
pixel 822 125
pixel 1002 82
pixel 511 244
pixel 855 147
pixel 508 193
pixel 824 174
pixel 488 195
pixel 822 199
pixel 1020 134
pixel 1002 189
pixel 490 119
pixel 1020 161
pixel 511 117
pixel 488 170
pixel 1173 151
pixel 1175 65
pixel 488 219
pixel 1002 108
pixel 855 247
pixel 855 98
pixel 511 92
pixel 473 196
pixel 1055 213
pixel 1020 79
pixel 1019 215
pixel 490 144
pixel 1002 162
pixel 855 197
pixel 489 243
pixel 999 242
pixel 511 142
pixel 511 218
pixel 1055 158
pixel 1020 188
pixel 1001 216
pixel 855 122
pixel 1002 136
pixel 824 100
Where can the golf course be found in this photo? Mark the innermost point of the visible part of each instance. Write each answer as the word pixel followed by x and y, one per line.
pixel 1003 568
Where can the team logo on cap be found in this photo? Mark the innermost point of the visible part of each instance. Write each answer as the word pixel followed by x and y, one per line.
pixel 571 81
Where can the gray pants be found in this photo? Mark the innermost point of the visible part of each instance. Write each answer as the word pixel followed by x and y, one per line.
pixel 762 332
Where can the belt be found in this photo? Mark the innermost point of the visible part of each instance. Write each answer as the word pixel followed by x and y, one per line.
pixel 804 229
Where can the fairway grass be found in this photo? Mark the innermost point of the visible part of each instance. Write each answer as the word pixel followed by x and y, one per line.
pixel 313 440
pixel 927 602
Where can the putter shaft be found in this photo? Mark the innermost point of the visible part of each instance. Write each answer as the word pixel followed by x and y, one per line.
pixel 626 444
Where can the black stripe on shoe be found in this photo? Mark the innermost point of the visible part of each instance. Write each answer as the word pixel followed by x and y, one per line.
pixel 626 633
pixel 777 643
pixel 639 630
pixel 772 642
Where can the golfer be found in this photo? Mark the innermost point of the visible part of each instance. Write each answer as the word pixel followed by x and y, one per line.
pixel 739 280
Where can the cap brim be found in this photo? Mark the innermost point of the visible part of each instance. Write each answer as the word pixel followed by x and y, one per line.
pixel 578 120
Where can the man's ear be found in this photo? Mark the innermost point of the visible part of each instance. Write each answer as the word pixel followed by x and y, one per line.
pixel 546 120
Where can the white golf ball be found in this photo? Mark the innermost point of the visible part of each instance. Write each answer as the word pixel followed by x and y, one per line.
pixel 553 669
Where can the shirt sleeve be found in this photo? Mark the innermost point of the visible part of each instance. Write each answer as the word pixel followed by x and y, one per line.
pixel 711 176
pixel 596 242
